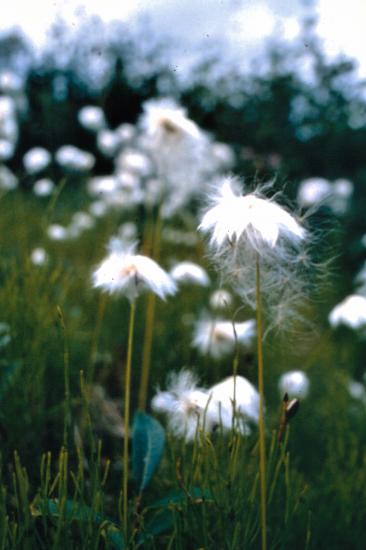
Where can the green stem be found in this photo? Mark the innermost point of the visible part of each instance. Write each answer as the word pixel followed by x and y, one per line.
pixel 149 324
pixel 127 416
pixel 262 448
pixel 67 404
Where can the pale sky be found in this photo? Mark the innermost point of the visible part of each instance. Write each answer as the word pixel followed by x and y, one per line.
pixel 241 24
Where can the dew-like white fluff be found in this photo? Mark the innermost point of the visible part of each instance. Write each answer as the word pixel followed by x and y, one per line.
pixel 7 149
pixel 43 187
pixel 221 299
pixel 92 118
pixel 350 312
pixel 217 338
pixel 313 191
pixel 75 159
pixel 191 409
pixel 191 273
pixel 295 383
pixel 123 272
pixel 57 232
pixel 36 159
pixel 8 181
pixel 108 142
pixel 39 256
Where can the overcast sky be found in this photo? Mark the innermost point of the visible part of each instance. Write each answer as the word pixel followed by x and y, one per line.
pixel 241 24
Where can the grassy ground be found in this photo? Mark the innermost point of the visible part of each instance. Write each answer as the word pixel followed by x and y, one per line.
pixel 61 467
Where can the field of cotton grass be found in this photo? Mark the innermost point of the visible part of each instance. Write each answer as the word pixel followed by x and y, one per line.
pixel 179 366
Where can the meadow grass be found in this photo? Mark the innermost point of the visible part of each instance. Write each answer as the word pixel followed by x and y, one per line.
pixel 61 471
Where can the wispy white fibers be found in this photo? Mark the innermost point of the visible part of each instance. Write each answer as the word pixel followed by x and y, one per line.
pixel 125 273
pixel 190 408
pixel 244 228
pixel 179 149
pixel 217 338
pixel 190 273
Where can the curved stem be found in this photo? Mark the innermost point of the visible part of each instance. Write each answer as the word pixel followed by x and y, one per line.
pixel 262 448
pixel 127 416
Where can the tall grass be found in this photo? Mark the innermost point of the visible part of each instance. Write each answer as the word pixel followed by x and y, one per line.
pixel 61 472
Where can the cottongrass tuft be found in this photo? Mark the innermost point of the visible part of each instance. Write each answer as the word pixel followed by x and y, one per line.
pixel 217 338
pixel 123 272
pixel 245 229
pixel 191 408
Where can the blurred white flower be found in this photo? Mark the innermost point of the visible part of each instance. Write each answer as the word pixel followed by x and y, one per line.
pixel 126 132
pixel 134 161
pixel 108 142
pixel 295 383
pixel 82 220
pixel 101 185
pixel 180 151
pixel 339 202
pixel 246 403
pixel 222 155
pixel 98 209
pixel 10 83
pixel 221 299
pixel 36 159
pixel 57 232
pixel 217 338
pixel 43 187
pixel 184 403
pixel 7 149
pixel 350 312
pixel 247 229
pixel 8 181
pixel 313 191
pixel 189 272
pixel 39 256
pixel 125 273
pixel 73 158
pixel 164 120
pixel 357 390
pixel 257 220
pixel 92 118
pixel 190 408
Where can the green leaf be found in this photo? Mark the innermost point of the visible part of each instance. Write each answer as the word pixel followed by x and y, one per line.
pixel 148 440
pixel 73 511
pixel 162 518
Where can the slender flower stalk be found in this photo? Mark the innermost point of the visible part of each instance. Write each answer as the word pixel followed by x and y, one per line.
pixel 123 272
pixel 261 425
pixel 127 415
pixel 258 247
pixel 149 324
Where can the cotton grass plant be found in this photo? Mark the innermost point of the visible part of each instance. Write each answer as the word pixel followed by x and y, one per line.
pixel 256 244
pixel 124 273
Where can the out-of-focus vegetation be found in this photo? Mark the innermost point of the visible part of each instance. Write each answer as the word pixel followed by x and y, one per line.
pixel 62 371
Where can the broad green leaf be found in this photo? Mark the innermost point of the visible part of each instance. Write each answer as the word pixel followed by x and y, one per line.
pixel 148 440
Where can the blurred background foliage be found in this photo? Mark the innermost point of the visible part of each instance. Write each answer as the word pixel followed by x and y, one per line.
pixel 284 123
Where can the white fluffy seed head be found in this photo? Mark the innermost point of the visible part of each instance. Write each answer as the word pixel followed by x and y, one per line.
pixel 190 408
pixel 246 229
pixel 217 338
pixel 123 272
pixel 259 221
